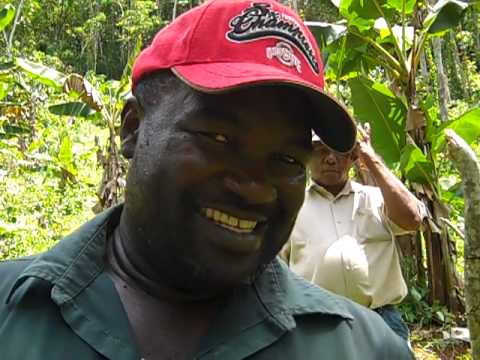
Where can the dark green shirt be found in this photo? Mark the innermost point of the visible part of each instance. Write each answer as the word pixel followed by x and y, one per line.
pixel 62 305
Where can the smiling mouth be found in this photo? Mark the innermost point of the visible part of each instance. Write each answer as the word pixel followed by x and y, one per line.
pixel 230 222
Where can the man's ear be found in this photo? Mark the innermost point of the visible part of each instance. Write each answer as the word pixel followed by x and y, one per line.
pixel 132 115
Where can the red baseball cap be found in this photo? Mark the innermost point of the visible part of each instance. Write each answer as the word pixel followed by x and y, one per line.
pixel 227 44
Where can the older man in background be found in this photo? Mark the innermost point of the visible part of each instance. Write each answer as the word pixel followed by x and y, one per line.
pixel 344 236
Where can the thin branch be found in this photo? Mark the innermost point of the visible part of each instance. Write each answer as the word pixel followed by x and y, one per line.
pixel 395 42
pixel 174 12
pixel 404 48
pixel 454 227
pixel 14 26
pixel 6 41
pixel 388 57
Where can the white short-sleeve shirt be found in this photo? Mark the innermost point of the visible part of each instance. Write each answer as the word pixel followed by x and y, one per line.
pixel 346 244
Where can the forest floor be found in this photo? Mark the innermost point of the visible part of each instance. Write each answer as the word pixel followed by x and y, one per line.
pixel 429 344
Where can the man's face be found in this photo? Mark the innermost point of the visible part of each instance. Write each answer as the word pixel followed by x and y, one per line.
pixel 329 168
pixel 215 184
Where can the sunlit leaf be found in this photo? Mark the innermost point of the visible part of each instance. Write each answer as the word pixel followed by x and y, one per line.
pixel 400 5
pixel 79 109
pixel 445 15
pixel 382 27
pixel 409 34
pixel 65 153
pixel 65 156
pixel 42 73
pixel 385 34
pixel 358 11
pixel 376 104
pixel 415 294
pixel 467 126
pixel 360 8
pixel 87 92
pixel 3 90
pixel 6 16
pixel 440 316
pixel 415 166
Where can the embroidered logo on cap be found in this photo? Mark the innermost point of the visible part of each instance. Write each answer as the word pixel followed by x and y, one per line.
pixel 284 53
pixel 260 21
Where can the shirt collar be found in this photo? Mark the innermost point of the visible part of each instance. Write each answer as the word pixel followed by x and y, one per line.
pixel 73 262
pixel 275 299
pixel 350 187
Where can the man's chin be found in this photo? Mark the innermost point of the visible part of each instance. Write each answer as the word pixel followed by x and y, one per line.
pixel 212 283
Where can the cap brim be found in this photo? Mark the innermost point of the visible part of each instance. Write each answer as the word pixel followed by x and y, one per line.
pixel 334 125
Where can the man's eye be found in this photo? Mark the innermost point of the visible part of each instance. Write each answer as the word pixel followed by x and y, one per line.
pixel 287 159
pixel 220 138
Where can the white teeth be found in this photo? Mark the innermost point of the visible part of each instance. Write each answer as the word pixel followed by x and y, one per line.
pixel 209 213
pixel 229 222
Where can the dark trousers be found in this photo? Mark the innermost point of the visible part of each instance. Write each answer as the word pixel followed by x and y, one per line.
pixel 393 318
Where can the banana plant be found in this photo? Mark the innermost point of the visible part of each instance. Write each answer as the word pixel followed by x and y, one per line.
pixel 387 38
pixel 88 101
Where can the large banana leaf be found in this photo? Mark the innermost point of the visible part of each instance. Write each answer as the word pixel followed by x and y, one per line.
pixel 6 16
pixel 415 166
pixel 44 74
pixel 446 14
pixel 375 103
pixel 76 109
pixel 346 58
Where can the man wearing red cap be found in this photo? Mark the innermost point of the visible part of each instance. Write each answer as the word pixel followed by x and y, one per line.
pixel 218 137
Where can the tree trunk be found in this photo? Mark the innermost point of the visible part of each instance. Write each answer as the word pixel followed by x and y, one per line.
pixel 476 34
pixel 458 68
pixel 467 163
pixel 174 11
pixel 443 90
pixel 424 71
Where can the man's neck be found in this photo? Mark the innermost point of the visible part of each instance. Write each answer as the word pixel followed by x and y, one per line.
pixel 166 323
pixel 332 189
pixel 124 268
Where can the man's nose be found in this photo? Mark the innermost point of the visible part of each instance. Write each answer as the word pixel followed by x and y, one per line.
pixel 330 159
pixel 254 191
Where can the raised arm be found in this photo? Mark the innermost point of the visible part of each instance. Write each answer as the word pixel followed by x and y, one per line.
pixel 402 207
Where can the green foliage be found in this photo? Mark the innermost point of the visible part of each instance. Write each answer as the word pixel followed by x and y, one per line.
pixel 6 16
pixel 326 33
pixel 416 167
pixel 75 109
pixel 466 125
pixel 416 308
pixel 446 14
pixel 42 73
pixel 323 10
pixel 373 102
pixel 42 194
pixel 86 35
